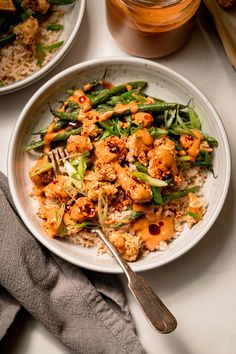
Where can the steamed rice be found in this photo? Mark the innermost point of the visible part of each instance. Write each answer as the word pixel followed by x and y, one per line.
pixel 17 61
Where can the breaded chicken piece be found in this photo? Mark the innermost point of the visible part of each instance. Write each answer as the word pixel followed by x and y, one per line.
pixel 143 118
pixel 7 5
pixel 138 191
pixel 92 186
pixel 127 245
pixel 83 209
pixel 56 190
pixel 41 6
pixel 162 159
pixel 27 31
pixel 191 144
pixel 78 144
pixel 104 171
pixel 111 149
pixel 139 144
pixel 39 175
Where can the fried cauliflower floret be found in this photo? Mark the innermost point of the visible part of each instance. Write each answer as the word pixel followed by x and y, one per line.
pixel 27 31
pixel 191 144
pixel 51 225
pixel 92 186
pixel 111 149
pixel 78 144
pixel 56 190
pixel 7 5
pixel 39 175
pixel 139 144
pixel 90 129
pixel 143 118
pixel 127 245
pixel 42 6
pixel 162 160
pixel 83 209
pixel 104 171
pixel 138 191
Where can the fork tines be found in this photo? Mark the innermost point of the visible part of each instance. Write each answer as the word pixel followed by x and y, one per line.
pixel 57 157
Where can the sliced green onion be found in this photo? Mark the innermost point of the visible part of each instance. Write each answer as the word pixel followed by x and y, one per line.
pixel 155 182
pixel 57 27
pixel 194 215
pixel 179 194
pixel 184 158
pixel 140 167
pixel 102 208
pixel 133 216
pixel 45 167
pixel 53 46
pixel 157 195
pixel 60 214
pixel 193 117
pixel 87 224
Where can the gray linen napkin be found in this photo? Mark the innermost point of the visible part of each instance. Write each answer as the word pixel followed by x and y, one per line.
pixel 85 311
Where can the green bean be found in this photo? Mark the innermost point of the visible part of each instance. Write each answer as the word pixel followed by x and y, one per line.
pixel 133 216
pixel 34 145
pixel 179 194
pixel 56 27
pixel 57 126
pixel 53 46
pixel 138 85
pixel 159 107
pixel 58 137
pixel 72 117
pixel 103 96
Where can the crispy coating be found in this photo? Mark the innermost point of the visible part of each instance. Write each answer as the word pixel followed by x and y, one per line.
pixel 111 149
pixel 162 162
pixel 83 209
pixel 57 188
pixel 139 144
pixel 128 245
pixel 78 144
pixel 104 171
pixel 27 31
pixel 44 177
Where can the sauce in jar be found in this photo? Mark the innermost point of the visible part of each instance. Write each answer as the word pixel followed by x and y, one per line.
pixel 151 28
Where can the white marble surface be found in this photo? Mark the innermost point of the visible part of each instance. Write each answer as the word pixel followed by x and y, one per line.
pixel 199 287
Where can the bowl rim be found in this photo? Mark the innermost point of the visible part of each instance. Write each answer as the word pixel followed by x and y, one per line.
pixel 37 75
pixel 76 68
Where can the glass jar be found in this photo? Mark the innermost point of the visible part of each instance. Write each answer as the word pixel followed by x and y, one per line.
pixel 151 28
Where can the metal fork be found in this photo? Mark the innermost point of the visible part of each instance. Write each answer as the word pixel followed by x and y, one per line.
pixel 153 308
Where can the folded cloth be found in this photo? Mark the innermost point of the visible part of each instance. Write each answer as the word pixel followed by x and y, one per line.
pixel 84 310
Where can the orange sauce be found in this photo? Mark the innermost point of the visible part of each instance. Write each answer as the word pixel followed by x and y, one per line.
pixel 135 190
pixel 151 31
pixel 191 144
pixel 164 226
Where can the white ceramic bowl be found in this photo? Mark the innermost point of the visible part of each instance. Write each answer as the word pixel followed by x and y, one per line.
pixel 163 83
pixel 72 21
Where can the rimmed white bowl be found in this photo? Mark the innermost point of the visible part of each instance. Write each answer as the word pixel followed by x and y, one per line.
pixel 163 83
pixel 72 21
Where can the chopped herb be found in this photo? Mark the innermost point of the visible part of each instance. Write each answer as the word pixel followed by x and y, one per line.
pixel 55 27
pixel 194 215
pixel 155 182
pixel 133 216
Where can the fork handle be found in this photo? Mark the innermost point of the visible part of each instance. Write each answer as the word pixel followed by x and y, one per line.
pixel 155 311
